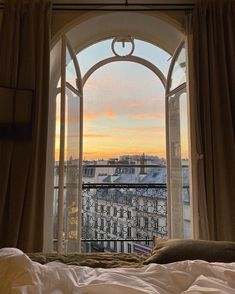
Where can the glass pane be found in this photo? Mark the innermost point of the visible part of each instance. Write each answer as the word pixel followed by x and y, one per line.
pixel 56 172
pixel 178 75
pixel 184 142
pixel 102 50
pixel 71 75
pixel 178 165
pixel 93 54
pixel 153 54
pixel 72 118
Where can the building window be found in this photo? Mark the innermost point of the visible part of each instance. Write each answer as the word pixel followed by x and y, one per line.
pixel 138 221
pixel 145 206
pixel 121 212
pixel 96 224
pixel 129 214
pixel 108 224
pixel 146 222
pixel 129 248
pixel 138 235
pixel 88 204
pixel 115 211
pixel 122 246
pixel 129 232
pixel 102 224
pixel 115 228
pixel 114 246
pixel 121 232
pixel 157 225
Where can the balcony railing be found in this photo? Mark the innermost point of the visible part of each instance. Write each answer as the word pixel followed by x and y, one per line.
pixel 116 217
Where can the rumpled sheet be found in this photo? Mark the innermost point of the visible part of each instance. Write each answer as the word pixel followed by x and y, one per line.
pixel 20 275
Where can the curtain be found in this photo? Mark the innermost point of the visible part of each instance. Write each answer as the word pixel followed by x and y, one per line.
pixel 213 54
pixel 24 72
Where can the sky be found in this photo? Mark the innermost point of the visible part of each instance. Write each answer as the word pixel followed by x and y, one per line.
pixel 124 105
pixel 123 112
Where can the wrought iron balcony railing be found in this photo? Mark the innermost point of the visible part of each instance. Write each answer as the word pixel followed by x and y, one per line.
pixel 116 217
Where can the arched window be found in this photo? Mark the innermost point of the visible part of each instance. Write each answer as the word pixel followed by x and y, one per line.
pixel 120 192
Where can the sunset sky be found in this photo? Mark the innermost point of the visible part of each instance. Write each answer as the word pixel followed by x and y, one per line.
pixel 124 105
pixel 124 112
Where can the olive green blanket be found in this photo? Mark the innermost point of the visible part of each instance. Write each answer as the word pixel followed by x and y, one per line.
pixel 94 260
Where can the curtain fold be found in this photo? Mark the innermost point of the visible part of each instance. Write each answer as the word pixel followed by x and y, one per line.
pixel 24 64
pixel 213 44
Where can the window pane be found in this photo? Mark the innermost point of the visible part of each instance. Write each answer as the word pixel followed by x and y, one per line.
pixel 71 216
pixel 178 165
pixel 57 127
pixel 178 75
pixel 71 75
pixel 152 53
pixel 185 164
pixel 56 171
pixel 102 50
pixel 93 54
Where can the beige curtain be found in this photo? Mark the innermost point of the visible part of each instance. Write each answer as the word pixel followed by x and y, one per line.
pixel 213 45
pixel 24 71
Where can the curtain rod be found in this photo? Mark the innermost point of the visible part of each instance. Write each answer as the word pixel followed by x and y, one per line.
pixel 119 6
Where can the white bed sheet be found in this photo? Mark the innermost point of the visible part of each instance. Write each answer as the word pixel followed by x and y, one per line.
pixel 20 275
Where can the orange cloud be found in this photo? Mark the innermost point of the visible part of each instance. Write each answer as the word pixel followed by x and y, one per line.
pixel 159 129
pixel 94 115
pixel 149 116
pixel 109 113
pixel 90 115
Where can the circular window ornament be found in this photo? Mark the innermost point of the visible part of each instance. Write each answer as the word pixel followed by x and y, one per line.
pixel 123 40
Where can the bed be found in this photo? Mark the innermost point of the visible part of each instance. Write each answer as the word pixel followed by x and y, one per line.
pixel 122 273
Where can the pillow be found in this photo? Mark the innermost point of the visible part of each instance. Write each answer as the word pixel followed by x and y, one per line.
pixel 166 251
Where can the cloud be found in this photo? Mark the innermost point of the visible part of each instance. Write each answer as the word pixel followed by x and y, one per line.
pixel 96 136
pixel 94 115
pixel 146 116
pixel 88 115
pixel 110 114
pixel 146 129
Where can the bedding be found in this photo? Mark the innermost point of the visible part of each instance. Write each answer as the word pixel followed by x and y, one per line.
pixel 101 259
pixel 20 275
pixel 167 251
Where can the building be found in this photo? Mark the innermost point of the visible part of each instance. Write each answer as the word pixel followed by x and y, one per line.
pixel 114 210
